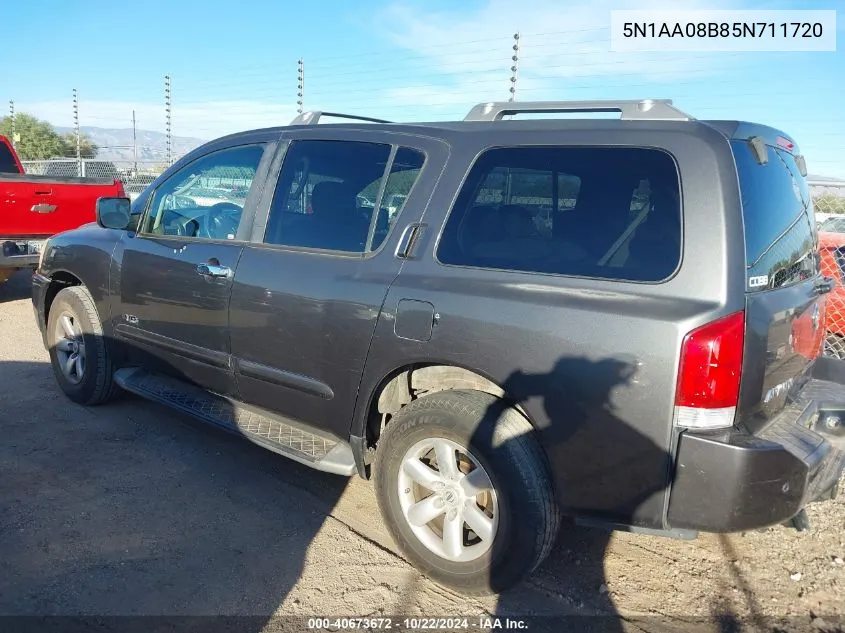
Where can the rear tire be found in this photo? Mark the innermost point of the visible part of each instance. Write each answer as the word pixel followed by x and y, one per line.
pixel 79 354
pixel 522 516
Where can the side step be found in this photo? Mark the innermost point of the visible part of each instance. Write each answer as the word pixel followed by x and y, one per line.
pixel 265 429
pixel 674 533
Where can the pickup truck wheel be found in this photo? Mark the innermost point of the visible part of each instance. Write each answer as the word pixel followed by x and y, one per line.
pixel 78 352
pixel 465 490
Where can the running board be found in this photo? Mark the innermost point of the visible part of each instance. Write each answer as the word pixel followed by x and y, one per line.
pixel 674 533
pixel 268 430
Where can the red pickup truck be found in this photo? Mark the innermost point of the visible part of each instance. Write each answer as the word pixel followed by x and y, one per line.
pixel 34 208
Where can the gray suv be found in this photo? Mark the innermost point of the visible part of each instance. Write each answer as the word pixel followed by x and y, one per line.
pixel 615 320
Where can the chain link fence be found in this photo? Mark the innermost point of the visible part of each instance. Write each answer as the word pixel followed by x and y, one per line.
pixel 134 180
pixel 829 203
pixel 828 197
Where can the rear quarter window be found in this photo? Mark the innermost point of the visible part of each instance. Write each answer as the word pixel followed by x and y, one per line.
pixel 7 161
pixel 780 234
pixel 603 212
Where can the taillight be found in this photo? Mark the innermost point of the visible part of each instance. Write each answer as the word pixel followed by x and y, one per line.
pixel 709 373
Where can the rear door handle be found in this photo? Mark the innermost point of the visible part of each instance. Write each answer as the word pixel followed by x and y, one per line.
pixel 43 192
pixel 213 270
pixel 405 248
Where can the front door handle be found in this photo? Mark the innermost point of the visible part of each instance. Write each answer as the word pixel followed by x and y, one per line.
pixel 213 270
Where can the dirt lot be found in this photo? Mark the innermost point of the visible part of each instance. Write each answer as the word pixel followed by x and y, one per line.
pixel 130 509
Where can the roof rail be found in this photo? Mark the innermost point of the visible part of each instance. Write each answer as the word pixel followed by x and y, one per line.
pixel 311 118
pixel 653 109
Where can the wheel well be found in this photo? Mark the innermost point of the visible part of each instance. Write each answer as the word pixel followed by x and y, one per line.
pixel 58 281
pixel 413 381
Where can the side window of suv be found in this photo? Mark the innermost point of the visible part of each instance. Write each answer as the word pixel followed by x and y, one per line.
pixel 610 213
pixel 340 195
pixel 205 199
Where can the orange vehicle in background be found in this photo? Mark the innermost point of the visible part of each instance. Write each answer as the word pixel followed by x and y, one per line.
pixel 832 250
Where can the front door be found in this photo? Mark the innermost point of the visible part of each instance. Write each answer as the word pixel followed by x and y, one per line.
pixel 175 273
pixel 308 294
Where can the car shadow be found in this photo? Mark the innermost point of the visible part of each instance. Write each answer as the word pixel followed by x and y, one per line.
pixel 116 510
pixel 17 287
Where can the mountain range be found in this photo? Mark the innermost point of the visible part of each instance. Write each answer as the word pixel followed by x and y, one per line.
pixel 116 144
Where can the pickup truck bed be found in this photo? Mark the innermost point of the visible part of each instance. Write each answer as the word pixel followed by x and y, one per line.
pixel 41 206
pixel 34 208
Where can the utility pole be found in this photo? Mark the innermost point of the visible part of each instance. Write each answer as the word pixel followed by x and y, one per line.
pixel 76 132
pixel 167 109
pixel 515 67
pixel 12 120
pixel 134 144
pixel 300 85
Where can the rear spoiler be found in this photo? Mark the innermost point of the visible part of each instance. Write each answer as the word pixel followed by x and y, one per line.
pixel 759 147
pixel 760 136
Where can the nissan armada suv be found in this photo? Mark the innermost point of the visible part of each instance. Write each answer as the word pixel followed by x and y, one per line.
pixel 615 320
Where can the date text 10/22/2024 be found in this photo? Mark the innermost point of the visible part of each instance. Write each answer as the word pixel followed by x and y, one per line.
pixel 477 623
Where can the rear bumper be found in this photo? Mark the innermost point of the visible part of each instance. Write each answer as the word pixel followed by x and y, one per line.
pixel 15 253
pixel 733 481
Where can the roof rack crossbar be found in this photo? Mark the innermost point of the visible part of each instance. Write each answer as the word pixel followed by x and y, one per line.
pixel 647 109
pixel 311 118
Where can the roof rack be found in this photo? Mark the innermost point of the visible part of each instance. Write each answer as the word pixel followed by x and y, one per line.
pixel 311 118
pixel 648 109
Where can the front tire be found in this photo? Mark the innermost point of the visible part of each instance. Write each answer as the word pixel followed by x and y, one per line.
pixel 78 351
pixel 465 490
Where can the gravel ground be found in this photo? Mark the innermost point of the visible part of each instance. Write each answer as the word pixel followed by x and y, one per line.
pixel 131 509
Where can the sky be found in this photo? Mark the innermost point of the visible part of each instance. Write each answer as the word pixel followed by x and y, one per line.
pixel 234 64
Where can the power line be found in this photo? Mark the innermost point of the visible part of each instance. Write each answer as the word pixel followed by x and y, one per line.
pixel 459 68
pixel 431 47
pixel 167 109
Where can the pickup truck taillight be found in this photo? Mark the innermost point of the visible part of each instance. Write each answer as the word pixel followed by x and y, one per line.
pixel 709 373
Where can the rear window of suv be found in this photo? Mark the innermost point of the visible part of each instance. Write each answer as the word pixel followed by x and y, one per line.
pixel 777 209
pixel 604 212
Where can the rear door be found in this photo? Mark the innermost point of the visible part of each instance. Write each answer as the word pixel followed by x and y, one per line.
pixel 309 290
pixel 785 300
